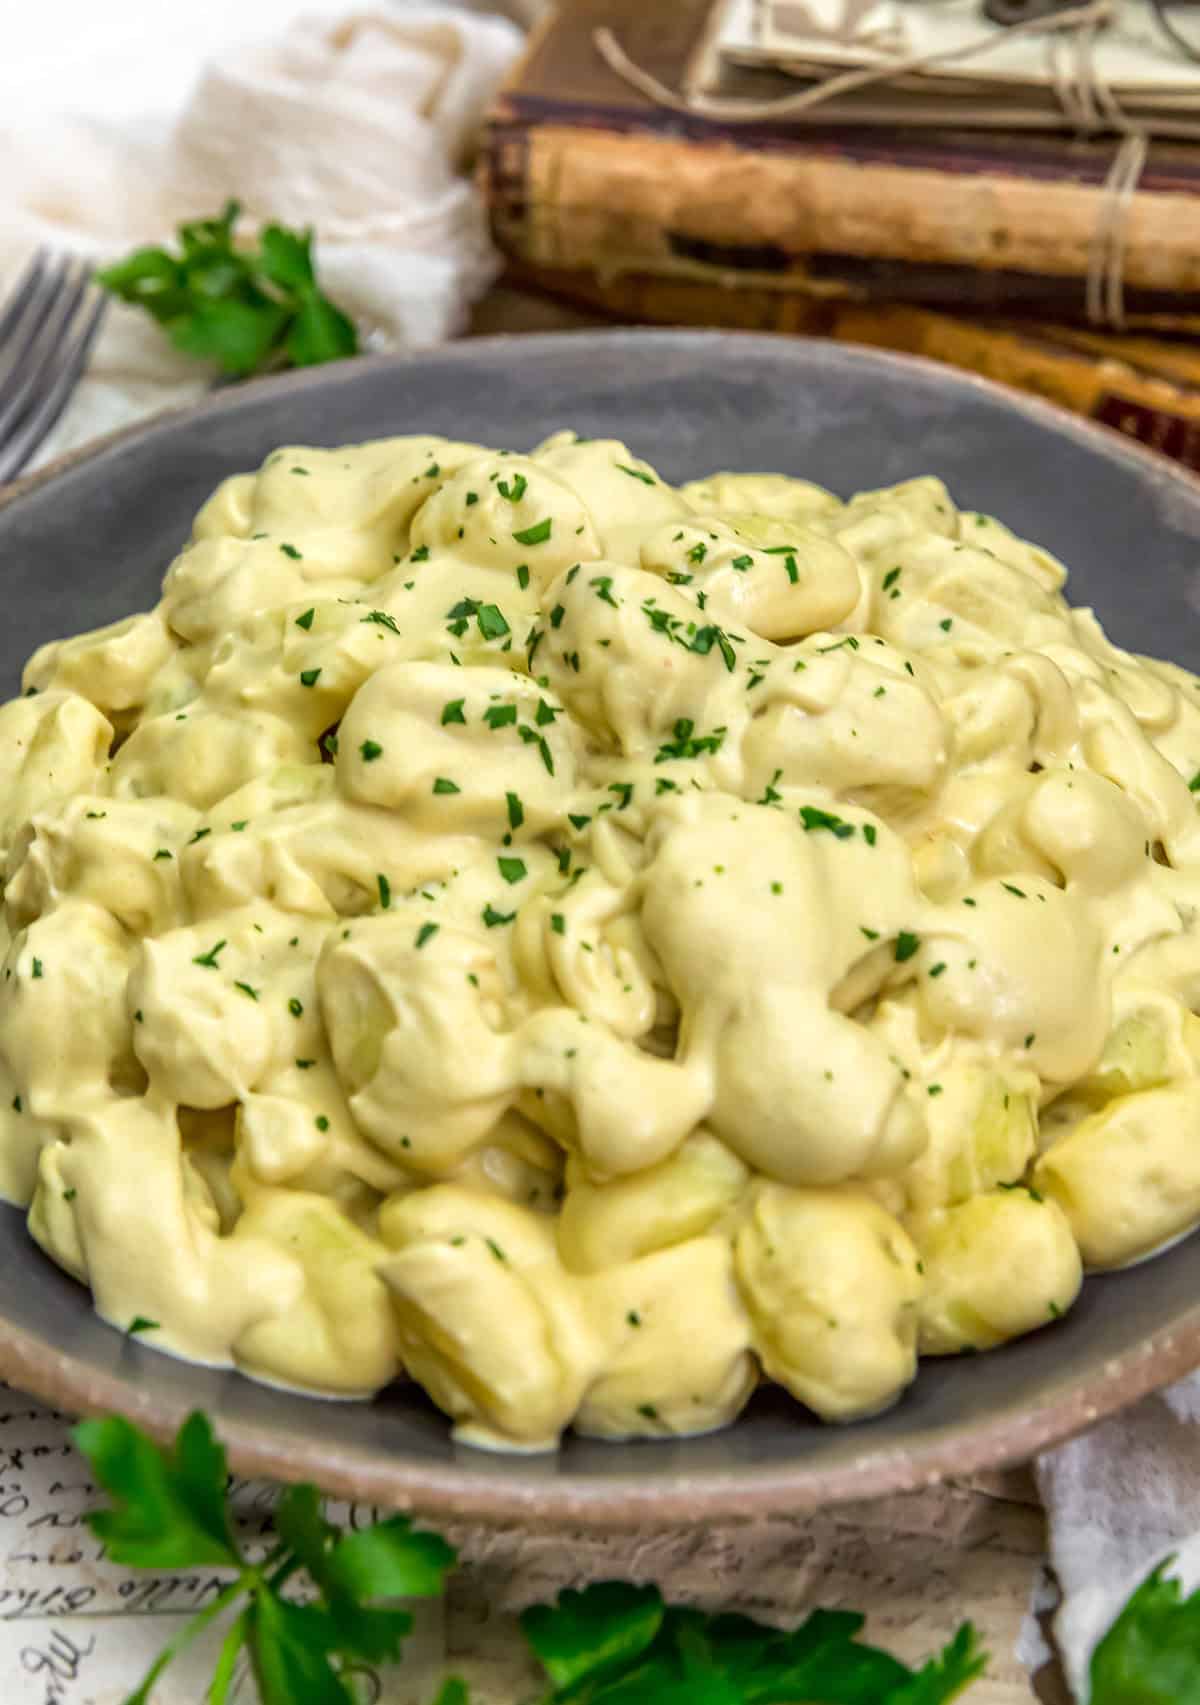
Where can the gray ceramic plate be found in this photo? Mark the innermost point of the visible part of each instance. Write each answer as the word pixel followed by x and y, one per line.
pixel 89 542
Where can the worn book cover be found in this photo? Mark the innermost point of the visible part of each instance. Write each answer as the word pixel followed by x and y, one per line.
pixel 584 172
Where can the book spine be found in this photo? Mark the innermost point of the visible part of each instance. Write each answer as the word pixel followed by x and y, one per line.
pixel 1150 395
pixel 571 195
pixel 1147 388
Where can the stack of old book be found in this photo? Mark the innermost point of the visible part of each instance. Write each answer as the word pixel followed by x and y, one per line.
pixel 1023 201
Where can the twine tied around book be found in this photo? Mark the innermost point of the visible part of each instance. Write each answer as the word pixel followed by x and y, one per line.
pixel 1087 102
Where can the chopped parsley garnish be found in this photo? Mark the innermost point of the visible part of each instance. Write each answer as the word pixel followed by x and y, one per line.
pixel 793 573
pixel 577 820
pixel 495 1249
pixel 385 891
pixel 209 959
pixel 321 1122
pixel 813 818
pixel 531 737
pixel 890 578
pixel 636 474
pixel 500 715
pixel 770 795
pixel 936 970
pixel 140 1323
pixel 946 625
pixel 492 917
pixel 623 791
pixel 516 811
pixel 523 575
pixel 421 554
pixel 443 784
pixel 296 1008
pixel 251 994
pixel 1013 889
pixel 199 836
pixel 546 713
pixel 309 677
pixel 537 534
pixel 426 933
pixel 453 711
pixel 382 619
pixel 742 563
pixel 704 640
pixel 37 968
pixel 306 620
pixel 163 853
pixel 687 744
pixel 305 1065
pixel 869 834
pixel 512 869
pixel 698 553
pixel 290 550
pixel 906 945
pixel 603 585
pixel 488 617
pixel 558 923
pixel 516 491
pixel 370 750
pixel 492 624
pixel 871 934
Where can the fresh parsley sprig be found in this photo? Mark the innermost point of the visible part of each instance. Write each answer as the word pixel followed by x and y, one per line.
pixel 169 1512
pixel 247 310
pixel 614 1644
pixel 611 1644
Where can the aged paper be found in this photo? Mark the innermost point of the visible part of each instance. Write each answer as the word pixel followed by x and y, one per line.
pixel 77 1630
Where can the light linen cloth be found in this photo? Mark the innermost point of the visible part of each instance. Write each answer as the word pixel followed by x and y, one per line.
pixel 358 123
pixel 361 123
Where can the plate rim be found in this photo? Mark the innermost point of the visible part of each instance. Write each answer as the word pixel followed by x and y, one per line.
pixel 741 1493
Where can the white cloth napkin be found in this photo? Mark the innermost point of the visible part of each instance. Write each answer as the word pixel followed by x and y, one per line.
pixel 358 123
pixel 1119 1500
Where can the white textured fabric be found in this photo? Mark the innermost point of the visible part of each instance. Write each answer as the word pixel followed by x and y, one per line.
pixel 359 123
pixel 1121 1499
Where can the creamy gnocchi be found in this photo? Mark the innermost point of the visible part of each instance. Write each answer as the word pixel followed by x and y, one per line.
pixel 589 945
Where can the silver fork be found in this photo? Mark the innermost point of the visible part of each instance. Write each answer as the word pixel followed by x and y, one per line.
pixel 47 327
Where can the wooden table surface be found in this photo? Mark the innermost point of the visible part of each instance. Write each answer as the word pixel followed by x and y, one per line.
pixel 917 1565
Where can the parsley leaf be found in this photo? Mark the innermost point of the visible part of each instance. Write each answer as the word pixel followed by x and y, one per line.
pixel 1151 1654
pixel 613 1644
pixel 168 1506
pixel 247 310
pixel 535 535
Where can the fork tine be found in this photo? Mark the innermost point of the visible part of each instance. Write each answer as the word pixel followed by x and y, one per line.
pixel 28 283
pixel 61 376
pixel 41 331
pixel 38 305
